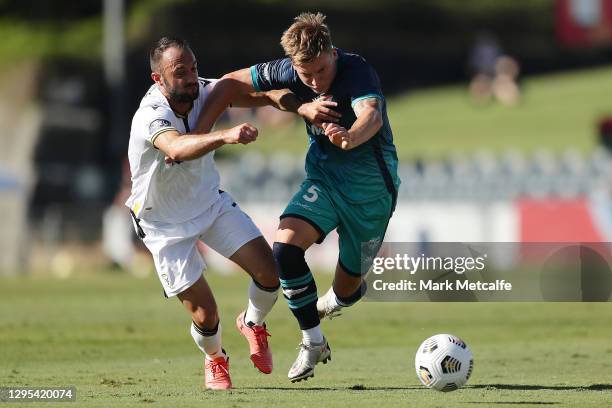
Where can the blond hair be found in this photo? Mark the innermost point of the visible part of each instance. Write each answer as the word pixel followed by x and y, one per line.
pixel 307 38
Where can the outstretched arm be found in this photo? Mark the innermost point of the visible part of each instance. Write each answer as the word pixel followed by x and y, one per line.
pixel 317 112
pixel 225 91
pixel 281 99
pixel 368 123
pixel 192 146
pixel 236 89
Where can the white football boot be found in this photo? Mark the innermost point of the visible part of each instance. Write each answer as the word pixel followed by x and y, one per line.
pixel 308 357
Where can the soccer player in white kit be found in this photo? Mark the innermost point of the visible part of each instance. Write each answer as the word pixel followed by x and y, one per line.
pixel 176 201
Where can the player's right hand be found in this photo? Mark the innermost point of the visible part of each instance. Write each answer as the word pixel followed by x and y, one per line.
pixel 319 112
pixel 244 134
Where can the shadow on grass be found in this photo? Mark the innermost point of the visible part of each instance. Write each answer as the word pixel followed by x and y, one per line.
pixel 515 387
pixel 357 387
pixel 527 387
pixel 512 402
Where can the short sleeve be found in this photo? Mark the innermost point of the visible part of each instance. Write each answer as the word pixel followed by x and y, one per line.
pixel 277 74
pixel 365 83
pixel 157 121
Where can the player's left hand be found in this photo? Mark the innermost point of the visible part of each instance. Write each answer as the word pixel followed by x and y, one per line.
pixel 338 135
pixel 319 111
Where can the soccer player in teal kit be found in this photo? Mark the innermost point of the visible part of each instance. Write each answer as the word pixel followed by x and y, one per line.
pixel 351 173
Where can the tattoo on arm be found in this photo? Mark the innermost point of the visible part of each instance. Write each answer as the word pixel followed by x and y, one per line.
pixel 361 105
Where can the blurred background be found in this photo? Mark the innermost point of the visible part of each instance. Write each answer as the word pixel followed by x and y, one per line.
pixel 501 113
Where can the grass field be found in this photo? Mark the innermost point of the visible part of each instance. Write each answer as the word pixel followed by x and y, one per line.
pixel 122 344
pixel 558 111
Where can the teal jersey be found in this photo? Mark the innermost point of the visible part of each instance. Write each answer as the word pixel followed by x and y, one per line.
pixel 365 173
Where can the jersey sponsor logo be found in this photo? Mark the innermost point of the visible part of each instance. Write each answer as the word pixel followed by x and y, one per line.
pixel 158 124
pixel 315 130
pixel 302 205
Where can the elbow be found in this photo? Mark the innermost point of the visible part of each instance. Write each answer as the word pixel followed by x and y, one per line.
pixel 176 154
pixel 228 76
pixel 237 82
pixel 237 76
pixel 230 87
pixel 229 82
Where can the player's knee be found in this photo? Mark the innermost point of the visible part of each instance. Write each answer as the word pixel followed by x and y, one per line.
pixel 206 318
pixel 299 287
pixel 293 271
pixel 290 260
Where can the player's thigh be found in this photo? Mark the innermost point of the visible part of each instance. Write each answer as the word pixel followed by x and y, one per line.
pixel 308 217
pixel 296 231
pixel 360 233
pixel 177 261
pixel 231 229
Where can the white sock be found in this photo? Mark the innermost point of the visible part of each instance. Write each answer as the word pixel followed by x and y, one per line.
pixel 260 304
pixel 312 336
pixel 333 300
pixel 208 343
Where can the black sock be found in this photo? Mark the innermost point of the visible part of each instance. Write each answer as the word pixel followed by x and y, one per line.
pixel 299 287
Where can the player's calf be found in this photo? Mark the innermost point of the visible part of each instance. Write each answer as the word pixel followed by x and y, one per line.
pixel 255 257
pixel 297 282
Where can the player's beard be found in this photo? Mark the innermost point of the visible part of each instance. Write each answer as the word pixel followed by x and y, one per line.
pixel 190 94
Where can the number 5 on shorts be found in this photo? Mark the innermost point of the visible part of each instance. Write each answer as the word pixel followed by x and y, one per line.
pixel 313 191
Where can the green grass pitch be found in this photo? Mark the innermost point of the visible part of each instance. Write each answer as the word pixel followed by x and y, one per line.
pixel 121 343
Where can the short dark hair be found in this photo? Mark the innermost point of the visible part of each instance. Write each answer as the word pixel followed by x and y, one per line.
pixel 162 45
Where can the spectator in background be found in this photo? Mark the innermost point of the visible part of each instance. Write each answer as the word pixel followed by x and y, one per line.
pixel 494 75
pixel 117 231
pixel 505 85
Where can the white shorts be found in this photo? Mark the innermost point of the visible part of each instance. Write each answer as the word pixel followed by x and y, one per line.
pixel 223 226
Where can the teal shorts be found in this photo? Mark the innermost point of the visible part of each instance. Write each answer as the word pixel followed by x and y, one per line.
pixel 361 227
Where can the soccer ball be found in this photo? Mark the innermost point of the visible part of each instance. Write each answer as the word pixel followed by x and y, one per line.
pixel 443 362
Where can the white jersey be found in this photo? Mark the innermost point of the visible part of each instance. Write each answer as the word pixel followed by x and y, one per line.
pixel 163 192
